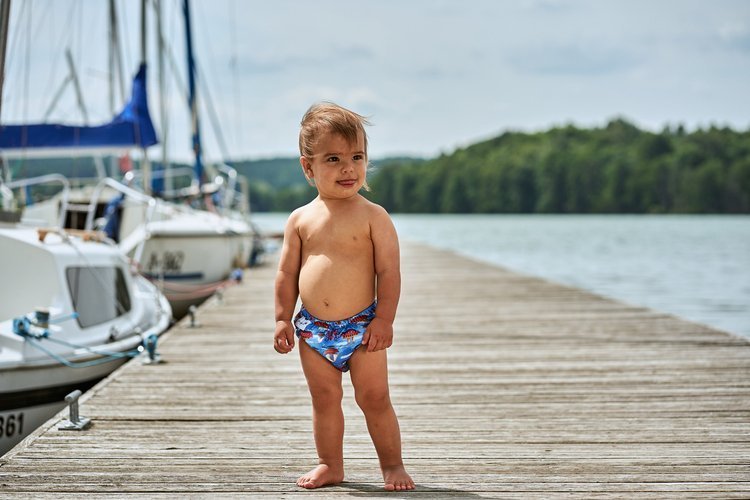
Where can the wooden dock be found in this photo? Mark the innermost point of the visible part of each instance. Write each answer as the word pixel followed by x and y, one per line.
pixel 505 385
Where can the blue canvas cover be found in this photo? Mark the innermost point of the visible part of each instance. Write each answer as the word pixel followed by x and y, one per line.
pixel 132 127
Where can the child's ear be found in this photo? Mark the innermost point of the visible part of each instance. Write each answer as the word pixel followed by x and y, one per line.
pixel 307 170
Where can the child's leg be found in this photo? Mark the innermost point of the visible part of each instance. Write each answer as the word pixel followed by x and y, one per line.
pixel 369 372
pixel 324 382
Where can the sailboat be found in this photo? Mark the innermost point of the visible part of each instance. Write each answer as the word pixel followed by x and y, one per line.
pixel 73 308
pixel 191 247
pixel 77 312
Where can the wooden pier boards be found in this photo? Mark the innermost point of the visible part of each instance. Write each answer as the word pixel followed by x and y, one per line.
pixel 505 385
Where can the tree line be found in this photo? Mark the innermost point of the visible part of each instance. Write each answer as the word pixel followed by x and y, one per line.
pixel 614 169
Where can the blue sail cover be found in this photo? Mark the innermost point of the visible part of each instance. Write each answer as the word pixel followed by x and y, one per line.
pixel 132 127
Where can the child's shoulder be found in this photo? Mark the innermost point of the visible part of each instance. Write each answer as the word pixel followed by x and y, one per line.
pixel 297 217
pixel 301 212
pixel 373 209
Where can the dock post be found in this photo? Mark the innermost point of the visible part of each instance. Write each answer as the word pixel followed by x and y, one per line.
pixel 191 312
pixel 75 422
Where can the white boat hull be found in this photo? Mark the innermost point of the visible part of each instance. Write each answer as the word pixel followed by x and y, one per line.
pixel 192 255
pixel 188 253
pixel 99 310
pixel 18 423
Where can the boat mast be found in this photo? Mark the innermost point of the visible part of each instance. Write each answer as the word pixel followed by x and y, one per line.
pixel 192 100
pixel 116 71
pixel 4 17
pixel 145 165
pixel 165 167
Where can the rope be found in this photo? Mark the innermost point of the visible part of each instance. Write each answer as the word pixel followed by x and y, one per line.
pixel 23 327
pixel 82 364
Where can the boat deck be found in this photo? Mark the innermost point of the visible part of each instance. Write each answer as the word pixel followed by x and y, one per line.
pixel 505 386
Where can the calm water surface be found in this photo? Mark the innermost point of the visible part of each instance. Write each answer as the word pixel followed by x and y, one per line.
pixel 696 267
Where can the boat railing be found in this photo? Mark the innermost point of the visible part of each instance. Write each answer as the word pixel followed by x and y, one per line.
pixel 129 192
pixel 236 193
pixel 244 196
pixel 44 179
pixel 225 183
pixel 133 176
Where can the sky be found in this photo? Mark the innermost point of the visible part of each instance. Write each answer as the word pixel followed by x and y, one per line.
pixel 431 75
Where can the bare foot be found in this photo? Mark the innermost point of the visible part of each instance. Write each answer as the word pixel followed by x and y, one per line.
pixel 321 475
pixel 396 479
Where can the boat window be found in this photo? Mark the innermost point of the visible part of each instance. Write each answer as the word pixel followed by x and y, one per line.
pixel 99 294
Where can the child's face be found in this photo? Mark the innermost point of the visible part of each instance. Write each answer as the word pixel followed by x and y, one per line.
pixel 338 167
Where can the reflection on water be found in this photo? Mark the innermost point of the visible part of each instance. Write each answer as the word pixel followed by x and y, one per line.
pixel 696 267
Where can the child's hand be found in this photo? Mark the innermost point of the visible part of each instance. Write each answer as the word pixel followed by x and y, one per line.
pixel 378 336
pixel 283 339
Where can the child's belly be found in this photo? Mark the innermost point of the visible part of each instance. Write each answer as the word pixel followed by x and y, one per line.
pixel 335 289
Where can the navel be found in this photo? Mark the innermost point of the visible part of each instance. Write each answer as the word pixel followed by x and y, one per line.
pixel 325 302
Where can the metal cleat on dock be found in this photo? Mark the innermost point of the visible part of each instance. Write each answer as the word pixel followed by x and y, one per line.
pixel 75 422
pixel 191 312
pixel 149 344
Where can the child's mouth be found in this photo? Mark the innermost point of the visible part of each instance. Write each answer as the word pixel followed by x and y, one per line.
pixel 347 182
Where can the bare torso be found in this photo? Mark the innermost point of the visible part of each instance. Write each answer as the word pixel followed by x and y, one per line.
pixel 337 268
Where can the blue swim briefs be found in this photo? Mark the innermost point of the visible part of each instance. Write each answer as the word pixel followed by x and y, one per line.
pixel 334 340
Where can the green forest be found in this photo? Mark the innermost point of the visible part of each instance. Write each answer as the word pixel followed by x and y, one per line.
pixel 614 169
pixel 617 168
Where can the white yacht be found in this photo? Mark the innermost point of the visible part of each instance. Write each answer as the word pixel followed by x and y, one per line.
pixel 73 310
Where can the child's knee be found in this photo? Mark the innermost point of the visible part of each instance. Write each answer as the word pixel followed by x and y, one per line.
pixel 326 396
pixel 373 400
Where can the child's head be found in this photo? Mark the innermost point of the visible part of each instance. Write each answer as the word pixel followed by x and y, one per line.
pixel 327 119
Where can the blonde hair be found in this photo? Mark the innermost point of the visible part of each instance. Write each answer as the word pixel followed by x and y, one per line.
pixel 327 117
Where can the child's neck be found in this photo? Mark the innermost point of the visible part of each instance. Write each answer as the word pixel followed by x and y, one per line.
pixel 335 202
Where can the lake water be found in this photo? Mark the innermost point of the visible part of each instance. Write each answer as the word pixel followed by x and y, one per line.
pixel 696 267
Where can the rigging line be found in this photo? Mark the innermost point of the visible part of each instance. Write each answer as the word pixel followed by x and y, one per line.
pixel 81 364
pixel 206 41
pixel 51 25
pixel 103 352
pixel 124 33
pixel 64 39
pixel 93 72
pixel 208 103
pixel 79 31
pixel 27 72
pixel 10 62
pixel 238 133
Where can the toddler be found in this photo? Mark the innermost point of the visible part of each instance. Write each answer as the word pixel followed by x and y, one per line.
pixel 341 258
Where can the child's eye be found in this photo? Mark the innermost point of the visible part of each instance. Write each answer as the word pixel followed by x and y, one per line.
pixel 332 159
pixel 358 157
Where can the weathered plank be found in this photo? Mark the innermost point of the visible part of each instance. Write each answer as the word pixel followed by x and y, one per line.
pixel 505 386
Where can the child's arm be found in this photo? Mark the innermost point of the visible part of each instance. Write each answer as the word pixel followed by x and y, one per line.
pixel 379 334
pixel 287 287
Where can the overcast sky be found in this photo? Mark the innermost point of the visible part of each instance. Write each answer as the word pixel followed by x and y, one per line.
pixel 432 75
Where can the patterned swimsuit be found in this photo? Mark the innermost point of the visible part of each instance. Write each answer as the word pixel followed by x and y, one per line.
pixel 334 340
